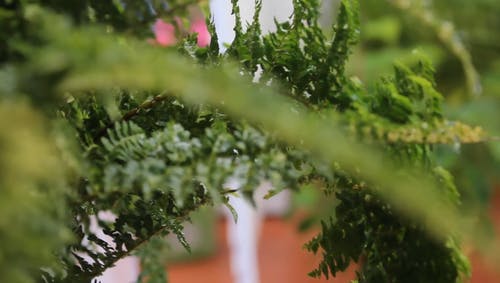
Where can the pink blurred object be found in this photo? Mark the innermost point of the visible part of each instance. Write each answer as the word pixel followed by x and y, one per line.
pixel 200 27
pixel 164 33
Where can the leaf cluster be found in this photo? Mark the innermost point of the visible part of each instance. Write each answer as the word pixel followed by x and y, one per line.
pixel 150 140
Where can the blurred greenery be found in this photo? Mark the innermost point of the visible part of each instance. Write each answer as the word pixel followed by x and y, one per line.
pixel 392 28
pixel 31 227
pixel 152 134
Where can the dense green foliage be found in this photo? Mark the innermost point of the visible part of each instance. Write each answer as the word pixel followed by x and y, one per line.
pixel 392 29
pixel 152 134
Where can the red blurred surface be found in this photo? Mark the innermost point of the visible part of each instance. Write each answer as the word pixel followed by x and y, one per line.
pixel 484 271
pixel 282 258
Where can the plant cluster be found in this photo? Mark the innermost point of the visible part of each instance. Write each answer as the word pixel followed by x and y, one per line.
pixel 460 46
pixel 153 133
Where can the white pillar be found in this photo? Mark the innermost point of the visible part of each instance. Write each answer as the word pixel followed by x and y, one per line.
pixel 224 21
pixel 243 236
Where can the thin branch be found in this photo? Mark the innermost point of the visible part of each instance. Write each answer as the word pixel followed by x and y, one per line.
pixel 132 113
pixel 448 36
